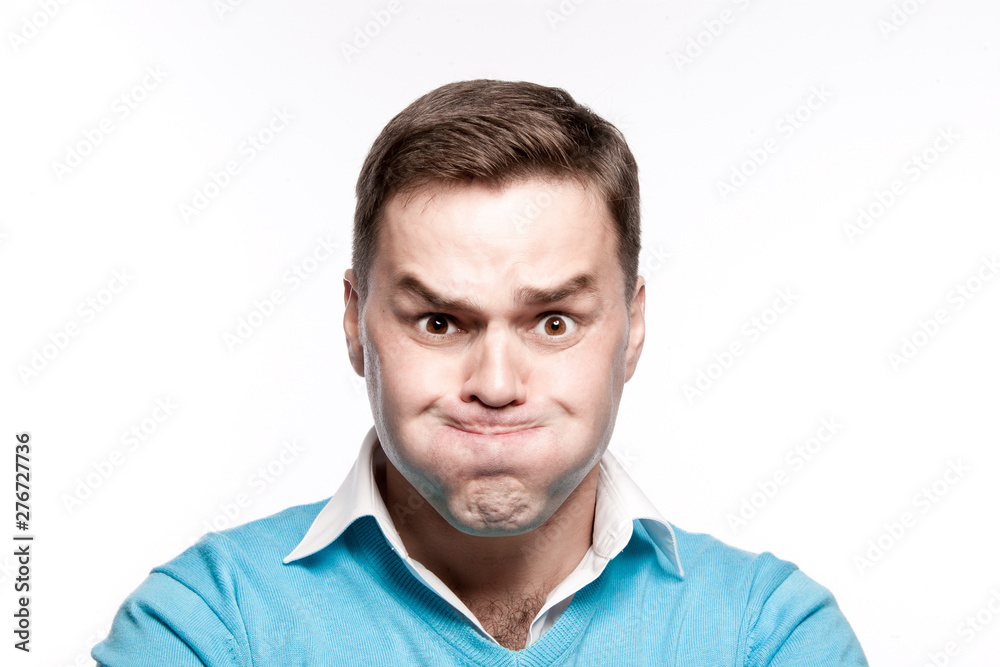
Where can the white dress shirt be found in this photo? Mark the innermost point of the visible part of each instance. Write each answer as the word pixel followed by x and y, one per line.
pixel 619 501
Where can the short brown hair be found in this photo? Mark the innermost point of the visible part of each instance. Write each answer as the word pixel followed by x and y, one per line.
pixel 494 133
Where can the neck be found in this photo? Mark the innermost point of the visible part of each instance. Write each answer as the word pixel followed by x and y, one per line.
pixel 504 574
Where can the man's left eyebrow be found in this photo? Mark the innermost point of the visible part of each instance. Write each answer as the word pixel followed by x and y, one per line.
pixel 583 284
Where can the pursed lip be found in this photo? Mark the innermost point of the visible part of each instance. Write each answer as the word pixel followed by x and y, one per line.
pixel 492 430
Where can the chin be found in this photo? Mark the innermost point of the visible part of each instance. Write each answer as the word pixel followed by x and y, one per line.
pixel 495 511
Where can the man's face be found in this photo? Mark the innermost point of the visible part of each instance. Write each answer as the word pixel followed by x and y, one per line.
pixel 496 342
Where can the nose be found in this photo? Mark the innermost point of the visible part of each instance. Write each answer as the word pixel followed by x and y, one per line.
pixel 495 369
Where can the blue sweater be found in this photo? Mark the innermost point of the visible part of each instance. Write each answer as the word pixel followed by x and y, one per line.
pixel 229 600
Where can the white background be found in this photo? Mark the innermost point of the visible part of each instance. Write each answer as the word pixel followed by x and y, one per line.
pixel 889 89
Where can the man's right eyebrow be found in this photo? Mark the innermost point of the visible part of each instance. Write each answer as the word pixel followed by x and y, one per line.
pixel 410 284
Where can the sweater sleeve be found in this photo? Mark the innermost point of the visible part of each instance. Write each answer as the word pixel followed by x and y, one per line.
pixel 798 624
pixel 163 622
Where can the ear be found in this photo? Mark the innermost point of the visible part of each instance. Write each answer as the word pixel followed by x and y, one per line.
pixel 637 328
pixel 351 323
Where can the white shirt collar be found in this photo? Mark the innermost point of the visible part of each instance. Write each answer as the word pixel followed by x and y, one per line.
pixel 619 502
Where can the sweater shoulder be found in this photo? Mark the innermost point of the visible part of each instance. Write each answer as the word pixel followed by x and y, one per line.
pixel 705 556
pixel 281 531
pixel 206 605
pixel 774 611
pixel 259 542
pixel 766 586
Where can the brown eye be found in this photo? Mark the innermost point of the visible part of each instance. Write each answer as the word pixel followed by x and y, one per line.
pixel 436 324
pixel 557 325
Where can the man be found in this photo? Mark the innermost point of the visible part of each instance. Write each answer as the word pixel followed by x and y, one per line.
pixel 495 312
